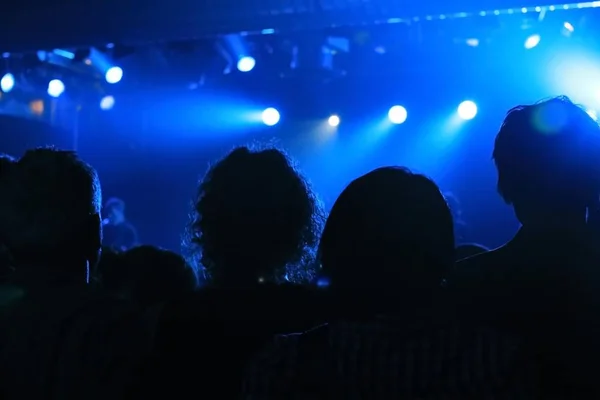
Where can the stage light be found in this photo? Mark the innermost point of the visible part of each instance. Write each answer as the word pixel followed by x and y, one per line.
pixel 467 110
pixel 246 64
pixel 334 120
pixel 397 115
pixel 114 75
pixel 592 113
pixel 568 26
pixel 270 117
pixel 107 102
pixel 7 83
pixel 56 87
pixel 532 41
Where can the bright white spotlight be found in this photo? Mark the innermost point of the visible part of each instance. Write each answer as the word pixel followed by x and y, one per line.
pixel 532 41
pixel 7 83
pixel 592 113
pixel 569 27
pixel 397 115
pixel 107 102
pixel 467 110
pixel 270 117
pixel 55 88
pixel 114 75
pixel 246 64
pixel 334 120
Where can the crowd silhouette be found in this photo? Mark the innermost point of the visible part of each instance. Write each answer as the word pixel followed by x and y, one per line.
pixel 380 298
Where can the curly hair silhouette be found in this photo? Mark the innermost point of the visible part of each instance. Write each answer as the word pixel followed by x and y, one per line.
pixel 255 219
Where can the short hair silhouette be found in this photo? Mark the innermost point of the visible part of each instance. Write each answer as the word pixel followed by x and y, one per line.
pixel 6 162
pixel 149 275
pixel 390 228
pixel 469 250
pixel 49 209
pixel 255 217
pixel 548 153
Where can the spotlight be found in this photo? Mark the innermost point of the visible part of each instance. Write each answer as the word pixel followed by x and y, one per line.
pixel 7 83
pixel 334 120
pixel 467 110
pixel 568 26
pixel 246 64
pixel 592 113
pixel 56 87
pixel 270 117
pixel 107 102
pixel 114 75
pixel 397 115
pixel 532 41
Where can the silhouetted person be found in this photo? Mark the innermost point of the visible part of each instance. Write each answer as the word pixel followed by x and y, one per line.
pixel 460 226
pixel 255 219
pixel 118 233
pixel 256 222
pixel 58 340
pixel 149 275
pixel 6 163
pixel 389 242
pixel 545 282
pixel 469 250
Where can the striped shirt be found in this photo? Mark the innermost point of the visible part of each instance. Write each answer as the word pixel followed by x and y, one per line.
pixel 383 359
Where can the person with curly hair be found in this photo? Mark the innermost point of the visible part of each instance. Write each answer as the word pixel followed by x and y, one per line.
pixel 256 219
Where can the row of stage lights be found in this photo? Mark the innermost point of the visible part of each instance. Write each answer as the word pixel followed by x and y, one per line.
pixel 56 87
pixel 397 115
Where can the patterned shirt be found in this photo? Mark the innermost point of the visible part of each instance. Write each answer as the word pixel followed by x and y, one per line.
pixel 385 359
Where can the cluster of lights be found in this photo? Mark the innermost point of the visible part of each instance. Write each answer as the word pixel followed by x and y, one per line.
pixel 56 87
pixel 467 110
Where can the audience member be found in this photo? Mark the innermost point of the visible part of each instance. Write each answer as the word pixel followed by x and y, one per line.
pixel 390 232
pixel 56 339
pixel 148 275
pixel 256 219
pixel 544 283
pixel 6 268
pixel 469 250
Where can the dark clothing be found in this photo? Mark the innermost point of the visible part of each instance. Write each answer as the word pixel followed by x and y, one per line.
pixel 65 342
pixel 120 237
pixel 205 341
pixel 545 286
pixel 388 358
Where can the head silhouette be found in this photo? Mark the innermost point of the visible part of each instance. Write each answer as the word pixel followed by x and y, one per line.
pixel 149 275
pixel 548 160
pixel 255 219
pixel 389 229
pixel 469 250
pixel 49 213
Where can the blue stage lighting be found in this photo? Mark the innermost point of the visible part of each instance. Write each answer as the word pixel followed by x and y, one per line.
pixel 56 87
pixel 592 113
pixel 7 83
pixel 334 120
pixel 397 115
pixel 532 41
pixel 270 117
pixel 467 110
pixel 107 102
pixel 246 64
pixel 114 75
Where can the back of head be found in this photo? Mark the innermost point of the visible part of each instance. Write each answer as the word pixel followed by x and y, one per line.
pixel 548 156
pixel 149 275
pixel 254 215
pixel 469 250
pixel 49 210
pixel 390 228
